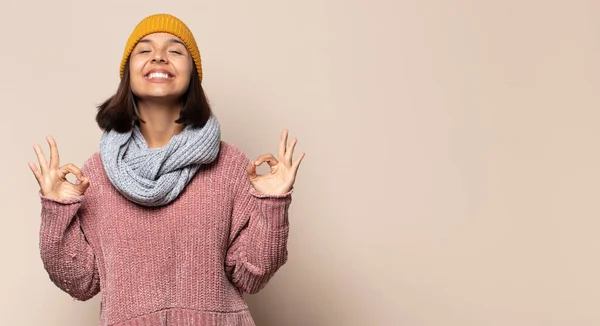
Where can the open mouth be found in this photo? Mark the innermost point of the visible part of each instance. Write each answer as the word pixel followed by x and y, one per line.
pixel 159 76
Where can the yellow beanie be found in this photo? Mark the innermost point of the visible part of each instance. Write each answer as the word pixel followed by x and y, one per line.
pixel 163 23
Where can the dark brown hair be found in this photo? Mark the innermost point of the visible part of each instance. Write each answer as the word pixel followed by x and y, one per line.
pixel 117 112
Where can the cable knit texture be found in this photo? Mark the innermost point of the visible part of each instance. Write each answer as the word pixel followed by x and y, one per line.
pixel 183 264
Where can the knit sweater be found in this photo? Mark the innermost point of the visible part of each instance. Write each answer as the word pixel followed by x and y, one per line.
pixel 186 263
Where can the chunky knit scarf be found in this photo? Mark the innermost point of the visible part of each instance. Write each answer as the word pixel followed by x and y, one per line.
pixel 156 176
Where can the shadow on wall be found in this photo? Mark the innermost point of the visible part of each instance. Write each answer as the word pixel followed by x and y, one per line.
pixel 78 312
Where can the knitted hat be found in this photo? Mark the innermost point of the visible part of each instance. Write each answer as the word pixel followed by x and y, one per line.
pixel 163 23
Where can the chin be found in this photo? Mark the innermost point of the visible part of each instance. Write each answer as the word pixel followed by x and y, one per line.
pixel 159 94
pixel 147 90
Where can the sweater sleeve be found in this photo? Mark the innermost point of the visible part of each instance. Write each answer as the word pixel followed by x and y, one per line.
pixel 66 255
pixel 259 234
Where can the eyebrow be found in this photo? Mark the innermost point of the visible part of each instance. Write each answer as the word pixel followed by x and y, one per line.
pixel 173 40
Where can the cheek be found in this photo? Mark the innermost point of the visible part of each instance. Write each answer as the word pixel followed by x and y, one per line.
pixel 184 71
pixel 136 67
pixel 190 66
pixel 184 77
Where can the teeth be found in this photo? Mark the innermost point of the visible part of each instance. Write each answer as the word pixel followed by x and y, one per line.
pixel 158 75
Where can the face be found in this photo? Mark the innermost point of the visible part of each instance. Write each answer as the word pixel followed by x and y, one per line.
pixel 160 68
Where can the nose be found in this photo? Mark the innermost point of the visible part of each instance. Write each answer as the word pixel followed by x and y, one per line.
pixel 159 57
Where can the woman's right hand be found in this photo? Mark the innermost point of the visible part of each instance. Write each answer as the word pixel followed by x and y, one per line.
pixel 52 177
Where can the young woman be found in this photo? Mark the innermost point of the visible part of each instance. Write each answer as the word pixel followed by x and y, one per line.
pixel 170 223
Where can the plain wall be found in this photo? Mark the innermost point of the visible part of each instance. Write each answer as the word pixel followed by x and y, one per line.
pixel 452 149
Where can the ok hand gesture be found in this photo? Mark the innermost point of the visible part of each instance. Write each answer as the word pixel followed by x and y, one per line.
pixel 52 178
pixel 283 172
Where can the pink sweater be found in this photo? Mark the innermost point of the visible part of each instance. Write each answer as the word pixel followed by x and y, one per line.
pixel 186 263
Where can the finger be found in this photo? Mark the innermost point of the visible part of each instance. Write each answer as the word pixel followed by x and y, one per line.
pixel 83 184
pixel 296 164
pixel 65 169
pixel 36 173
pixel 41 158
pixel 251 170
pixel 54 157
pixel 290 151
pixel 283 144
pixel 269 158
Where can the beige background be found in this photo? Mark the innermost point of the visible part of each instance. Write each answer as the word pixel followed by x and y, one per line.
pixel 452 168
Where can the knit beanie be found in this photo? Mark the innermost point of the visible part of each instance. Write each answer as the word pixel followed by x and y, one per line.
pixel 163 23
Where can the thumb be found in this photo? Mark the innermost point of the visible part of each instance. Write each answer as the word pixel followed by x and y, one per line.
pixel 251 170
pixel 82 184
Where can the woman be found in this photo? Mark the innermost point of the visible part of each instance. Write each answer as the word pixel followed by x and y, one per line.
pixel 170 223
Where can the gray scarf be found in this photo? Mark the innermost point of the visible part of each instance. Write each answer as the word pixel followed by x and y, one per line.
pixel 156 176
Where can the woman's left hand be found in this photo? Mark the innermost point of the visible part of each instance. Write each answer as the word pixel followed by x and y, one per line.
pixel 283 171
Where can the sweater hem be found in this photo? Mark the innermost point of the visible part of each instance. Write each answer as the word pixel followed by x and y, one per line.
pixel 176 316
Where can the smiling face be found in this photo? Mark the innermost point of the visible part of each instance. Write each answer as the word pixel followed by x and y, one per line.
pixel 160 68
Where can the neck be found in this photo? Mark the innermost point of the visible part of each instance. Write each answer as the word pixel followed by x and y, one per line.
pixel 159 122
